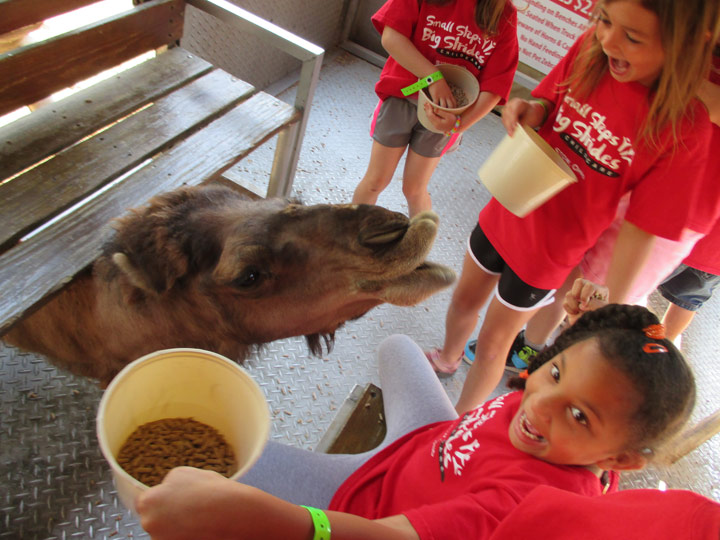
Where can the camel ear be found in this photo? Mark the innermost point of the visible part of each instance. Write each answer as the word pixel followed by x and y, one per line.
pixel 155 273
pixel 135 277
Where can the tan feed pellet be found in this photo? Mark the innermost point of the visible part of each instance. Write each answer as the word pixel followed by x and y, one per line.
pixel 154 448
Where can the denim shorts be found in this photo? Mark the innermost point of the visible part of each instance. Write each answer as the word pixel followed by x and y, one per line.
pixel 511 291
pixel 689 288
pixel 395 124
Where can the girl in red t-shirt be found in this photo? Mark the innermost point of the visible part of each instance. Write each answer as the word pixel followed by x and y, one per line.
pixel 692 282
pixel 621 110
pixel 602 399
pixel 479 35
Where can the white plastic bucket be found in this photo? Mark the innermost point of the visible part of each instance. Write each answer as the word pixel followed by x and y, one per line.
pixel 182 383
pixel 460 77
pixel 524 171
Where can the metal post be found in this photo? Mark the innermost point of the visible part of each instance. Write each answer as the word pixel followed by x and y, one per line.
pixel 287 151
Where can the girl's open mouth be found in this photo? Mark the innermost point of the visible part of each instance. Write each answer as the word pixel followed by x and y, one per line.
pixel 528 429
pixel 618 67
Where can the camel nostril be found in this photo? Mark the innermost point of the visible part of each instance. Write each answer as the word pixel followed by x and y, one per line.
pixel 378 235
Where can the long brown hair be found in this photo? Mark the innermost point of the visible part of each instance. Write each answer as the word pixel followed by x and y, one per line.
pixel 487 13
pixel 689 30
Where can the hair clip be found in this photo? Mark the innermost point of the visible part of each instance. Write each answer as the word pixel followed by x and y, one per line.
pixel 655 331
pixel 524 374
pixel 652 348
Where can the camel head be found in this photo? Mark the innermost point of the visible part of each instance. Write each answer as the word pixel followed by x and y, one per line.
pixel 204 261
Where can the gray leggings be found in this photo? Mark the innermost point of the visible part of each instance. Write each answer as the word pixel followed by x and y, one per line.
pixel 412 397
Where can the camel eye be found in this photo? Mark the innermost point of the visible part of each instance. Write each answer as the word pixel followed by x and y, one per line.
pixel 249 277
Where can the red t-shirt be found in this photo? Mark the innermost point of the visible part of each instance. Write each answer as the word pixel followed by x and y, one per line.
pixel 597 137
pixel 448 34
pixel 705 255
pixel 456 479
pixel 552 514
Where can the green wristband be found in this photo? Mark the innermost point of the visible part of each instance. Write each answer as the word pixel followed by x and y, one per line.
pixel 422 83
pixel 321 523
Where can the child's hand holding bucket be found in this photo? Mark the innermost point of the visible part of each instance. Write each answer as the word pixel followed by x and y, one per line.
pixel 442 120
pixel 453 75
pixel 441 94
pixel 520 111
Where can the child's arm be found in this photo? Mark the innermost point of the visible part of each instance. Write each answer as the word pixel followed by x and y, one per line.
pixel 194 504
pixel 406 54
pixel 632 249
pixel 522 111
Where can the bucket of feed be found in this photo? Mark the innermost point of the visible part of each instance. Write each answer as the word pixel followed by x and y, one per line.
pixel 465 89
pixel 524 171
pixel 180 407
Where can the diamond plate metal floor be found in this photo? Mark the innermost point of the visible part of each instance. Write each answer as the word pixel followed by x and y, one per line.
pixel 54 482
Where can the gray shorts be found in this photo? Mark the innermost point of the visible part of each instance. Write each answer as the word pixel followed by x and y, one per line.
pixel 689 288
pixel 395 124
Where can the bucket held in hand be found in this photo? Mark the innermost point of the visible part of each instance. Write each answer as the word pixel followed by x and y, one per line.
pixel 455 76
pixel 523 172
pixel 182 383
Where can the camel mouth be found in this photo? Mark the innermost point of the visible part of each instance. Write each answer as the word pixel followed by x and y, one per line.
pixel 443 272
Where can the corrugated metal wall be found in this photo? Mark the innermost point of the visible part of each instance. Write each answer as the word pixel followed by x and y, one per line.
pixel 320 22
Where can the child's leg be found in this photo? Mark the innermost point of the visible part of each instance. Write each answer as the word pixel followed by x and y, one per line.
pixel 383 162
pixel 497 334
pixel 416 177
pixel 412 394
pixel 413 397
pixel 472 291
pixel 676 320
pixel 687 289
pixel 301 476
pixel 541 326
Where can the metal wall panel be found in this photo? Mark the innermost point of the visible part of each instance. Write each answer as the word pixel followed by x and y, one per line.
pixel 320 22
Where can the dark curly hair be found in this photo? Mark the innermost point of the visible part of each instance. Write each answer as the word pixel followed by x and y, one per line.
pixel 664 380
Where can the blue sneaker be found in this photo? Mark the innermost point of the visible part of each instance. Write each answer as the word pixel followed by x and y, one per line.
pixel 469 355
pixel 520 354
pixel 517 359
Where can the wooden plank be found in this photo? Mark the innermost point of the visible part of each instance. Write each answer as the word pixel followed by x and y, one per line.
pixel 35 71
pixel 50 129
pixel 38 267
pixel 18 13
pixel 365 429
pixel 72 175
pixel 690 438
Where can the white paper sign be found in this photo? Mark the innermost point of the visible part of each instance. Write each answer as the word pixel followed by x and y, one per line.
pixel 547 29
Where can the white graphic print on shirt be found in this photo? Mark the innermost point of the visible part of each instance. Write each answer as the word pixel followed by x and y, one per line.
pixel 586 133
pixel 457 448
pixel 457 41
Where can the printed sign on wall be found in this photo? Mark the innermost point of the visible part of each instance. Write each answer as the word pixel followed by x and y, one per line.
pixel 547 29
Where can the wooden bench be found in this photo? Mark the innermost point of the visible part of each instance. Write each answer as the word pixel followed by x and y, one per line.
pixel 69 167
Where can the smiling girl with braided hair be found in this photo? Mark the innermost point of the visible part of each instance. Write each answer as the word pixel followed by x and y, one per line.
pixel 599 401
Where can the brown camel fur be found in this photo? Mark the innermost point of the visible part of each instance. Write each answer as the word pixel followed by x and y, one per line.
pixel 204 268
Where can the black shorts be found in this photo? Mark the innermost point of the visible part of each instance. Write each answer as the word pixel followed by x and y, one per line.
pixel 512 291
